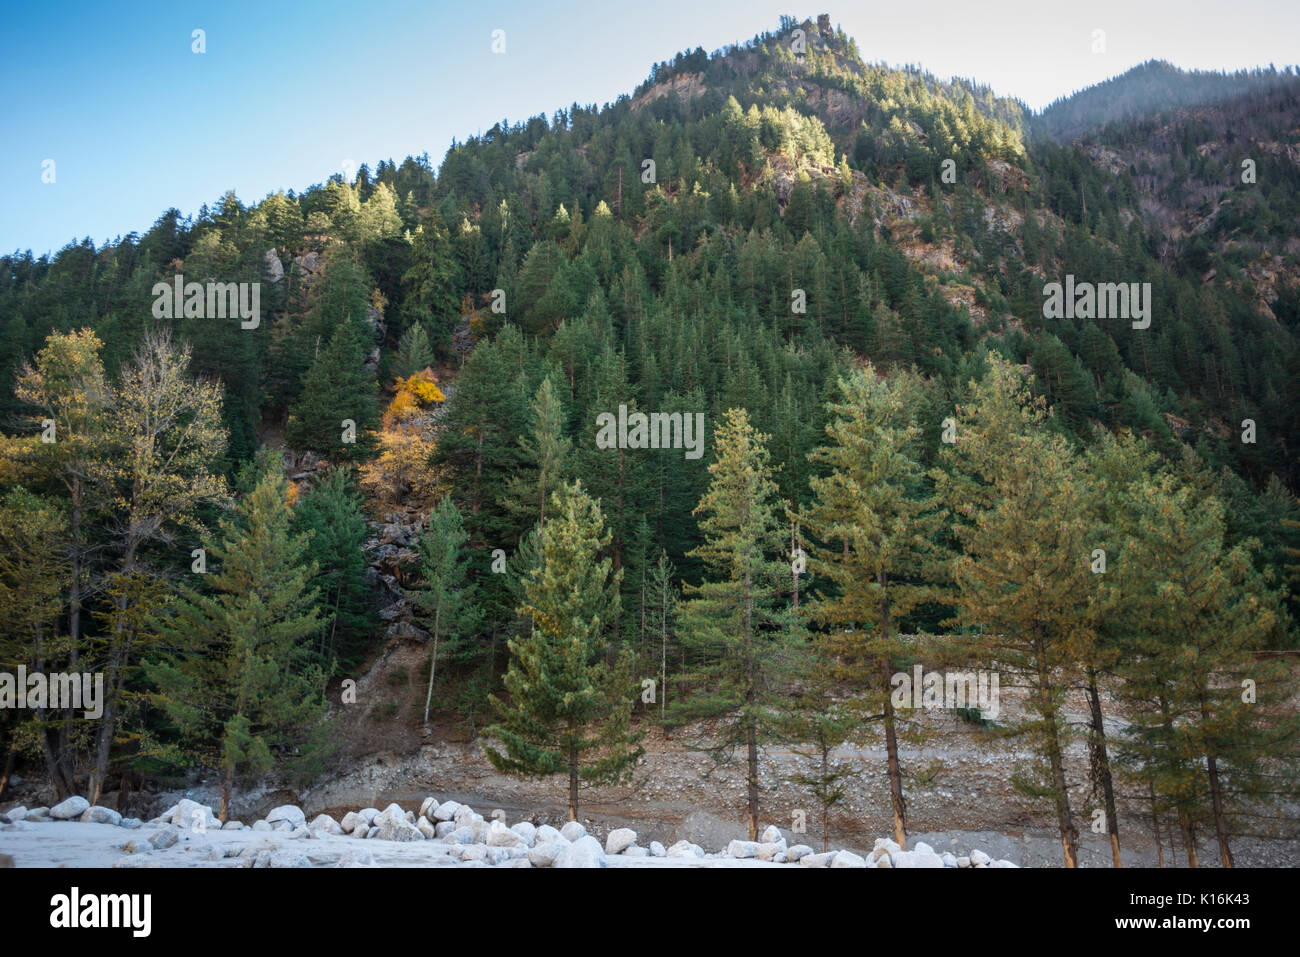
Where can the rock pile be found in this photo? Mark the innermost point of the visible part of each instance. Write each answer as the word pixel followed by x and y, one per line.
pixel 457 834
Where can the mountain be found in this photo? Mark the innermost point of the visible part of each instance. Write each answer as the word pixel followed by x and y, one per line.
pixel 742 231
pixel 1151 88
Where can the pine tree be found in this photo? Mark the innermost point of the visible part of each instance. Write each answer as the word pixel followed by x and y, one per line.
pixel 337 390
pixel 445 601
pixel 414 354
pixel 238 684
pixel 546 455
pixel 1116 467
pixel 1022 581
pixel 818 726
pixel 734 629
pixel 568 711
pixel 1198 611
pixel 331 512
pixel 662 602
pixel 431 285
pixel 874 524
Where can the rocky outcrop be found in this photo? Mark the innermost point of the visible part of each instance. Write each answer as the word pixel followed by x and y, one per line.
pixel 274 268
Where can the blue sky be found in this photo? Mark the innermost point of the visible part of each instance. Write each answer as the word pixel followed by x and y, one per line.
pixel 288 93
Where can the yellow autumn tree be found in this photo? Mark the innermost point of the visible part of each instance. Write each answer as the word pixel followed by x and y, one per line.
pixel 403 474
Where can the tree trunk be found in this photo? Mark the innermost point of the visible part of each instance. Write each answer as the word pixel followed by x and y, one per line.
pixel 104 735
pixel 751 777
pixel 751 729
pixel 65 775
pixel 1220 818
pixel 826 808
pixel 573 778
pixel 50 746
pixel 1103 765
pixel 1216 795
pixel 10 760
pixel 1064 821
pixel 895 769
pixel 1155 826
pixel 118 657
pixel 891 735
pixel 433 663
pixel 1189 839
pixel 226 785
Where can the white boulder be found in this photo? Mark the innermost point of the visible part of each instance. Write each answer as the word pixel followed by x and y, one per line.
pixel 70 810
pixel 742 849
pixel 848 859
pixel 584 852
pixel 544 853
pixel 619 840
pixel 499 835
pixel 101 815
pixel 285 812
pixel 572 830
pixel 445 811
pixel 548 834
pixel 323 822
pixel 818 860
pixel 526 832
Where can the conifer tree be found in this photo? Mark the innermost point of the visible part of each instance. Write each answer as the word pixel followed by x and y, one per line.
pixel 1022 581
pixel 1116 468
pixel 873 522
pixel 238 684
pixel 1200 717
pixel 336 414
pixel 331 512
pixel 414 354
pixel 568 711
pixel 546 455
pixel 662 604
pixel 817 726
pixel 445 601
pixel 735 629
pixel 431 285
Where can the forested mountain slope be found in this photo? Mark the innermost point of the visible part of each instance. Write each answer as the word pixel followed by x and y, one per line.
pixel 734 239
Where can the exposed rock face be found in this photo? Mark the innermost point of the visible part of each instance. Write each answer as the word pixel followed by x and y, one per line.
pixel 274 268
pixel 309 265
pixel 684 85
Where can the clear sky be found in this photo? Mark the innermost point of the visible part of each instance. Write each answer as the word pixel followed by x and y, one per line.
pixel 288 93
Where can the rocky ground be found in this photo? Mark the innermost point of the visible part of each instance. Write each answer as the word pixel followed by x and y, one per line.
pixel 442 834
pixel 958 783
